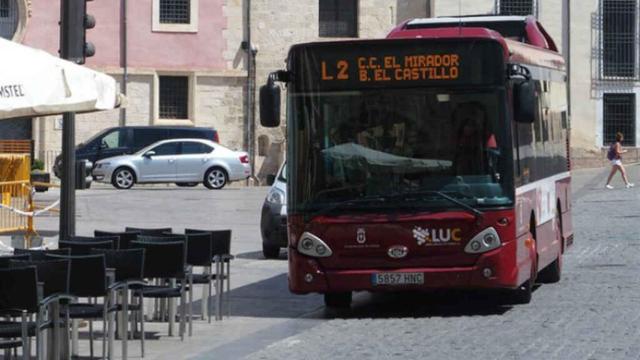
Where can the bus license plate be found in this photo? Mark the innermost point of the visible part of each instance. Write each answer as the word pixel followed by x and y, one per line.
pixel 398 279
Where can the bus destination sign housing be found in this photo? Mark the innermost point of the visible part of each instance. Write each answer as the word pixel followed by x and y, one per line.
pixel 398 63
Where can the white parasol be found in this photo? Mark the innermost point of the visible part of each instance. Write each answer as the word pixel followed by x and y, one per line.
pixel 36 83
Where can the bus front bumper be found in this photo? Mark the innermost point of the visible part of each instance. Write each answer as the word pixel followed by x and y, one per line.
pixel 492 270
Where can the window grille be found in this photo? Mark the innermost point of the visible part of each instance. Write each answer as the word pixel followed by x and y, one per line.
pixel 618 33
pixel 8 18
pixel 619 116
pixel 338 18
pixel 174 97
pixel 4 8
pixel 517 7
pixel 175 11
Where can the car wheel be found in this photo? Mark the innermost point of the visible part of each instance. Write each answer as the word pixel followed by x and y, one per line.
pixel 339 300
pixel 187 184
pixel 215 178
pixel 123 178
pixel 270 251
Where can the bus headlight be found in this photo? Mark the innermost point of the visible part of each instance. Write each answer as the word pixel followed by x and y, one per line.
pixel 486 240
pixel 311 245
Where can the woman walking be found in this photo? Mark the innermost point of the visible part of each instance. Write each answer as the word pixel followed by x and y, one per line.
pixel 614 155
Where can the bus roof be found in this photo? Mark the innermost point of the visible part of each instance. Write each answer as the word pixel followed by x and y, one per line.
pixel 514 50
pixel 465 19
pixel 525 29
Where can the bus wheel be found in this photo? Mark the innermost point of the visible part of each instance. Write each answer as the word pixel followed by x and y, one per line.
pixel 553 272
pixel 522 295
pixel 339 300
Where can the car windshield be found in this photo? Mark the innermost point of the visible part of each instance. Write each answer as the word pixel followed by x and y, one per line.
pixel 380 144
pixel 283 173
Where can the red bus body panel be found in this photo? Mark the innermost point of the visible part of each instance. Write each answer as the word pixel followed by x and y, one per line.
pixel 353 263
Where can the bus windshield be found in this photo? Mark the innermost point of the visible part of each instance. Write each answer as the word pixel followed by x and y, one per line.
pixel 385 145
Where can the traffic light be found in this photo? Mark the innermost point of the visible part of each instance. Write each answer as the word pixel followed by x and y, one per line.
pixel 73 38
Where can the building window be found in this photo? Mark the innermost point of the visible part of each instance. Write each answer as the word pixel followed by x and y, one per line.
pixel 619 116
pixel 174 97
pixel 338 18
pixel 618 38
pixel 175 12
pixel 4 8
pixel 175 15
pixel 517 7
pixel 9 18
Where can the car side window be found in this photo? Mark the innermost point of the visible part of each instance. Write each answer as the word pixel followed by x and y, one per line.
pixel 166 149
pixel 147 136
pixel 113 140
pixel 191 147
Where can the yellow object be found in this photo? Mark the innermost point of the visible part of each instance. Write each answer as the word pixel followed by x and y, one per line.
pixel 15 188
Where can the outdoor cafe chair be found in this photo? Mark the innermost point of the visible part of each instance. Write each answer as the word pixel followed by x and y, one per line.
pixel 221 255
pixel 52 292
pixel 114 238
pixel 41 254
pixel 88 279
pixel 165 261
pixel 4 260
pixel 128 265
pixel 18 295
pixel 199 250
pixel 84 247
pixel 148 231
pixel 124 238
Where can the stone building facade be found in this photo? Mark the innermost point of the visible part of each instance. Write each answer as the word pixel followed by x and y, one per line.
pixel 132 40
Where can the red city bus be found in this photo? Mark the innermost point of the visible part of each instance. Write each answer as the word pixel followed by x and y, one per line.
pixel 434 158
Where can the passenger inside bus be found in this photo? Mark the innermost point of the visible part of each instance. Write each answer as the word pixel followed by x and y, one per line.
pixel 476 149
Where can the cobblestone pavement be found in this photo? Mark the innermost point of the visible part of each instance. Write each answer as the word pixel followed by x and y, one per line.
pixel 593 313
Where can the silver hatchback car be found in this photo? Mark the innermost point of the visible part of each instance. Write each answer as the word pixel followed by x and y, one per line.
pixel 182 161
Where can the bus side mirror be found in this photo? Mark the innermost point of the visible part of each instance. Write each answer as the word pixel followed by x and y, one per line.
pixel 524 95
pixel 270 104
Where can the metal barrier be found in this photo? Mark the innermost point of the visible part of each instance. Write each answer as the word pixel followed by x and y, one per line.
pixel 15 193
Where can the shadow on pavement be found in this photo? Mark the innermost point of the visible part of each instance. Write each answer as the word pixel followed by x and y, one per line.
pixel 270 298
pixel 257 255
pixel 440 303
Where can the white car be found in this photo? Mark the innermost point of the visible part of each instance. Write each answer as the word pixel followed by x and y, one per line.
pixel 181 161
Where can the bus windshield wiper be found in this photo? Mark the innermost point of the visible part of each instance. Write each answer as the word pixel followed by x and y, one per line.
pixel 477 213
pixel 348 203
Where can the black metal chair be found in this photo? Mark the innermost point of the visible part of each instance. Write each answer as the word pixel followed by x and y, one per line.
pixel 128 265
pixel 88 279
pixel 148 231
pixel 115 239
pixel 18 295
pixel 4 260
pixel 165 262
pixel 84 247
pixel 41 254
pixel 53 291
pixel 199 250
pixel 221 256
pixel 124 238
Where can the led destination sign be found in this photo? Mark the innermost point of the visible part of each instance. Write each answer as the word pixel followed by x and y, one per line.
pixel 396 63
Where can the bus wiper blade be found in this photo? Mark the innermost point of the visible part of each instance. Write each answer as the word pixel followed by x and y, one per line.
pixel 348 203
pixel 477 213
